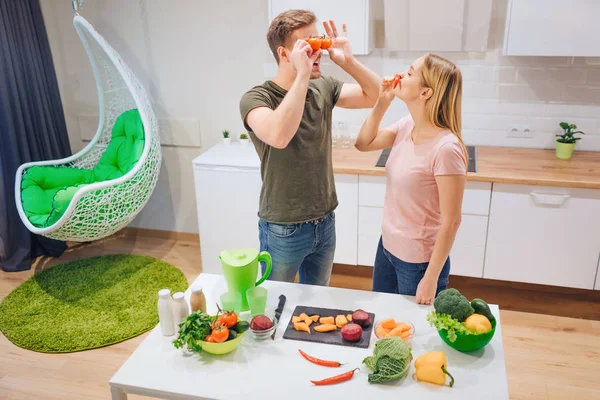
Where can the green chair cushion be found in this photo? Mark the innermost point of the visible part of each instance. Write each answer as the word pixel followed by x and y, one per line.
pixel 40 187
pixel 47 191
pixel 125 148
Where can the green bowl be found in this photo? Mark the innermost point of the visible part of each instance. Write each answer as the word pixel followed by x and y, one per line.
pixel 467 343
pixel 222 348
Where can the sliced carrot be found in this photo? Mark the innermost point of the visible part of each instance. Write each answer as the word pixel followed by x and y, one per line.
pixel 403 326
pixel 396 332
pixel 380 331
pixel 325 328
pixel 388 323
pixel 341 321
pixel 315 318
pixel 301 326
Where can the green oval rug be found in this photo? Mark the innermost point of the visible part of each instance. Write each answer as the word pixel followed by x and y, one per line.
pixel 87 303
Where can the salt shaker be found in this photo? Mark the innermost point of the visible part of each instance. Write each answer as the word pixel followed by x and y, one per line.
pixel 197 299
pixel 165 312
pixel 180 307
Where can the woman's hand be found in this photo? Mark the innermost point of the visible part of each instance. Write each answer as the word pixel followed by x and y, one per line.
pixel 426 290
pixel 386 94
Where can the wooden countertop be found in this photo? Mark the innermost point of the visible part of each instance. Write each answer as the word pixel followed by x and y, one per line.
pixel 498 164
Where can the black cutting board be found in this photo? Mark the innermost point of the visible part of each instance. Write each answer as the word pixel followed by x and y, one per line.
pixel 333 337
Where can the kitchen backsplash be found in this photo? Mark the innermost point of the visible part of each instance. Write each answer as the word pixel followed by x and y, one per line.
pixel 502 93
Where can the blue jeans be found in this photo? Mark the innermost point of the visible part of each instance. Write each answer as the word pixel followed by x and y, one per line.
pixel 392 275
pixel 306 249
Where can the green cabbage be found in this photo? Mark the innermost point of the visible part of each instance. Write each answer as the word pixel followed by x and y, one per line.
pixel 391 360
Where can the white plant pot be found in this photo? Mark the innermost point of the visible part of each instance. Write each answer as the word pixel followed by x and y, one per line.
pixel 227 141
pixel 245 142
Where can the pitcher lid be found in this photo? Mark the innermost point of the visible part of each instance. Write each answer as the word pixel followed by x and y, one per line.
pixel 238 257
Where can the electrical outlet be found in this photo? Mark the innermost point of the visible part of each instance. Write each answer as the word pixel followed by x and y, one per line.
pixel 520 131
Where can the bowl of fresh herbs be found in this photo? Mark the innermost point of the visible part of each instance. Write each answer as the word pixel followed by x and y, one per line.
pixel 220 334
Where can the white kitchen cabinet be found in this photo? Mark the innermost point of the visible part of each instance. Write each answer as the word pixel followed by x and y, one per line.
pixel 369 232
pixel 227 200
pixel 358 15
pixel 371 190
pixel 371 196
pixel 451 25
pixel 227 184
pixel 552 28
pixel 346 219
pixel 468 252
pixel 597 286
pixel 543 235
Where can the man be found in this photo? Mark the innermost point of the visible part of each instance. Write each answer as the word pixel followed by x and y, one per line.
pixel 289 121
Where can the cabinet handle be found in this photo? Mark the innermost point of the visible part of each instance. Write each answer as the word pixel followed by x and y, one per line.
pixel 546 199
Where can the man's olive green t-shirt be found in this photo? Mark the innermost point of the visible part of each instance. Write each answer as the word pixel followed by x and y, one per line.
pixel 297 182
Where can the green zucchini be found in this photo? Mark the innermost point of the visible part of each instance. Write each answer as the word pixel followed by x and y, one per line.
pixel 481 307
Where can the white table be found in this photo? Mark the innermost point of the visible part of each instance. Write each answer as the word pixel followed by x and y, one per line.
pixel 274 369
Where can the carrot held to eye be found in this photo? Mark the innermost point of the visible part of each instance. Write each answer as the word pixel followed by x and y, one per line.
pixel 336 379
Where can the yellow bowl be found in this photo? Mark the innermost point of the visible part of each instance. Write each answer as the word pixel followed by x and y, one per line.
pixel 224 347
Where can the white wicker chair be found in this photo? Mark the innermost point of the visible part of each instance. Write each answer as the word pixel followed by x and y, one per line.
pixel 100 209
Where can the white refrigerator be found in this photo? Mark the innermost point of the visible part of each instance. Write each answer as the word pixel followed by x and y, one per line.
pixel 227 185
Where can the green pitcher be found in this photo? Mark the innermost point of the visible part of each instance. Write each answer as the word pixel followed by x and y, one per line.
pixel 240 267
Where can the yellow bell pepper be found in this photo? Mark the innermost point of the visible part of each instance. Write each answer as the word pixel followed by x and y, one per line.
pixel 479 323
pixel 432 367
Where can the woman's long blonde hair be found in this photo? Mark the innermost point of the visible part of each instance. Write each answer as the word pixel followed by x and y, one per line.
pixel 444 106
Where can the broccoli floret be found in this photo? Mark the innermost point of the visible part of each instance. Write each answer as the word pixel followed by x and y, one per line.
pixel 454 304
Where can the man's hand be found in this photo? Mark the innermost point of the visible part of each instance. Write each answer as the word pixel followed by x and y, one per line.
pixel 303 57
pixel 340 51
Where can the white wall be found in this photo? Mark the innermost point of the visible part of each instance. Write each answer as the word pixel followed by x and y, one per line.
pixel 197 57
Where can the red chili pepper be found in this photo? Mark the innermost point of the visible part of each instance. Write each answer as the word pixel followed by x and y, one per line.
pixel 336 379
pixel 315 360
pixel 396 80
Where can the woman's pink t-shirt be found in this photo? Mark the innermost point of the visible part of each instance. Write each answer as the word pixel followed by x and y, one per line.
pixel 411 213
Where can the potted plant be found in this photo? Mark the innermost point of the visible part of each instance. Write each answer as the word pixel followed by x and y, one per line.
pixel 565 144
pixel 226 138
pixel 244 139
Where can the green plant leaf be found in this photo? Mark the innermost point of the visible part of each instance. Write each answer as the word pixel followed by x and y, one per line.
pixel 564 125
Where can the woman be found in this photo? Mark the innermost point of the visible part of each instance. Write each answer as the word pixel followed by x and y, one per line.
pixel 426 174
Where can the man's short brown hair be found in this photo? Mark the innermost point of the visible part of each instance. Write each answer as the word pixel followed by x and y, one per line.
pixel 284 24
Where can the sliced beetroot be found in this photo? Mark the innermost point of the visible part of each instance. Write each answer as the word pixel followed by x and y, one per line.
pixel 352 332
pixel 361 318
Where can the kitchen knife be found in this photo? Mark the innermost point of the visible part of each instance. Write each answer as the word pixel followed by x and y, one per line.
pixel 278 312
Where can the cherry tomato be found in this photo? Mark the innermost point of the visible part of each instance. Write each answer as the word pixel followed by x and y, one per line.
pixel 326 42
pixel 220 333
pixel 209 339
pixel 315 43
pixel 228 319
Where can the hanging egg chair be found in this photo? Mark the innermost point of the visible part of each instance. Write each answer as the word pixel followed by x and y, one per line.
pixel 99 190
